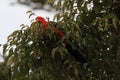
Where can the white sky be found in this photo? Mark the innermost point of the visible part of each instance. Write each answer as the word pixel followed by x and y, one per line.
pixel 12 16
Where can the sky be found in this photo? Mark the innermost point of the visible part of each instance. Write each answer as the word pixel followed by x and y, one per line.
pixel 12 16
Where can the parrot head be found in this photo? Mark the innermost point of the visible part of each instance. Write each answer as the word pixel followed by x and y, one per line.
pixel 40 19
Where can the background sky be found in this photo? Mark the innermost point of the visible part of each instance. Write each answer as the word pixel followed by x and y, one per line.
pixel 12 15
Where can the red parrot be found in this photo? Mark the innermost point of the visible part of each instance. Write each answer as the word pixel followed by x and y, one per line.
pixel 75 53
pixel 41 20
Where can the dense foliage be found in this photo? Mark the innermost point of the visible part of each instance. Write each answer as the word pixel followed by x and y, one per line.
pixel 38 51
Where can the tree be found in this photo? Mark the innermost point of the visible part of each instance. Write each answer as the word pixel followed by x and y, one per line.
pixel 90 27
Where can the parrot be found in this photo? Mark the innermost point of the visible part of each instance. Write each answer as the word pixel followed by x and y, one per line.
pixel 75 53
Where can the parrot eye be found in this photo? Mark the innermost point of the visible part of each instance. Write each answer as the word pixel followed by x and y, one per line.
pixel 39 22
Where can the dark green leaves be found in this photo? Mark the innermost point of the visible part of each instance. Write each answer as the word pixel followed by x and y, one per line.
pixel 35 53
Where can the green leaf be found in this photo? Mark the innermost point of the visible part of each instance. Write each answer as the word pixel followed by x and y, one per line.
pixel 54 51
pixel 31 14
pixel 29 11
pixel 5 49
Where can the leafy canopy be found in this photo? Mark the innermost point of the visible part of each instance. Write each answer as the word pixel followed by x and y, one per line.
pixel 90 26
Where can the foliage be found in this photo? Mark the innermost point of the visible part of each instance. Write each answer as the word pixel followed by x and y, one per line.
pixel 90 26
pixel 35 1
pixel 35 4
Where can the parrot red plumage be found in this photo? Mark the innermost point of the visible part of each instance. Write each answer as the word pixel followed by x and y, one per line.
pixel 41 20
